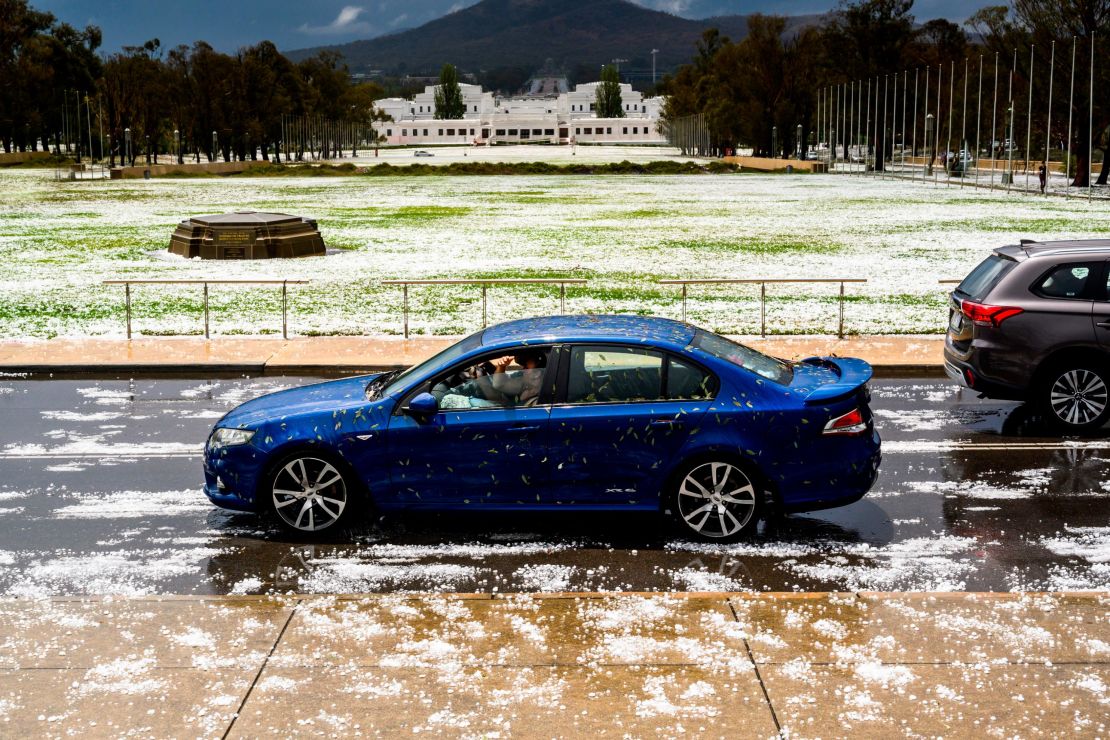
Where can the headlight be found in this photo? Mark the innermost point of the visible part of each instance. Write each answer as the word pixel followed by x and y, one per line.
pixel 223 437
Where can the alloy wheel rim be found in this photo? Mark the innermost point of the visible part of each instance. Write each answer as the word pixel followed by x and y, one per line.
pixel 1078 397
pixel 309 494
pixel 716 499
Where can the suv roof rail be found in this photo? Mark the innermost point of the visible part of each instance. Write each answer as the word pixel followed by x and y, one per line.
pixel 1080 250
pixel 1028 241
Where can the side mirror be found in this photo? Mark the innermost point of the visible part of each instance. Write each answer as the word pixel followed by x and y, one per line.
pixel 422 407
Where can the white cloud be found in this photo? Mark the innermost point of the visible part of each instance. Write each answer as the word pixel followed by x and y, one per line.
pixel 675 7
pixel 399 20
pixel 347 22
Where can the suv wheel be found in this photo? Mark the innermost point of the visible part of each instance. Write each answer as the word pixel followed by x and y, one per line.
pixel 1076 398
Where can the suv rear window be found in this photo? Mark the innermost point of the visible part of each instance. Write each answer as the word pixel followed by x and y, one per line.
pixel 983 278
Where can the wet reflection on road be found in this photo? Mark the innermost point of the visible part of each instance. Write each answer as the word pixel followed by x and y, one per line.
pixel 100 494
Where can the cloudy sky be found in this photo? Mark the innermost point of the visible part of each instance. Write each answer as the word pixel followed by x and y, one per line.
pixel 291 24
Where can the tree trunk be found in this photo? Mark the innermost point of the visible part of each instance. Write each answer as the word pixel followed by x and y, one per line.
pixel 1082 162
pixel 1106 166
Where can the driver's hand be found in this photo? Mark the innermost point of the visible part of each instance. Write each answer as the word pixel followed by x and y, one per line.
pixel 501 363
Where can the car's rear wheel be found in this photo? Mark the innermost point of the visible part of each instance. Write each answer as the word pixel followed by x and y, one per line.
pixel 309 493
pixel 717 500
pixel 1076 398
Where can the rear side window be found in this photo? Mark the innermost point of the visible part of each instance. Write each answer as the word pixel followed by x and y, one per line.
pixel 688 382
pixel 983 278
pixel 614 374
pixel 600 374
pixel 1066 281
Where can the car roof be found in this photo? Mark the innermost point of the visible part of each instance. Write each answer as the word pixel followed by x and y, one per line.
pixel 591 329
pixel 1033 249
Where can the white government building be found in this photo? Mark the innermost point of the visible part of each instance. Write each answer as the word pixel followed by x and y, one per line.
pixel 567 119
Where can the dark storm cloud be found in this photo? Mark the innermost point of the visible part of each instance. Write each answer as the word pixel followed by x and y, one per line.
pixel 296 24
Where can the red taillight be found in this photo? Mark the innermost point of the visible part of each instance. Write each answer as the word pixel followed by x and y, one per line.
pixel 985 315
pixel 850 423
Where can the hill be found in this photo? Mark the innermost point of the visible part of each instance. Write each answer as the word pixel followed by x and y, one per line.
pixel 525 33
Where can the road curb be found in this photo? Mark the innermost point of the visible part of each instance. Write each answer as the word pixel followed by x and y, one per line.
pixel 557 595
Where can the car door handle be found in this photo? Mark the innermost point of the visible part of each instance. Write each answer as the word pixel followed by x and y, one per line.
pixel 665 422
pixel 524 428
pixel 1103 324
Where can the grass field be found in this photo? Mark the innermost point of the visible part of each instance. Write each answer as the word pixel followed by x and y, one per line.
pixel 59 240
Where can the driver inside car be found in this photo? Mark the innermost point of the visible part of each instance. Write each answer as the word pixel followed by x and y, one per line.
pixel 468 388
pixel 493 384
pixel 522 385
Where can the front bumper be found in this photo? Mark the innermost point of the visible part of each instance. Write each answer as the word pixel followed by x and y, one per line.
pixel 226 500
pixel 231 476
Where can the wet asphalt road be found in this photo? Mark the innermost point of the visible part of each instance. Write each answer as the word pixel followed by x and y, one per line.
pixel 100 494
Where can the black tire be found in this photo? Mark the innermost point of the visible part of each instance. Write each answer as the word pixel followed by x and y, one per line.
pixel 1075 397
pixel 309 492
pixel 717 499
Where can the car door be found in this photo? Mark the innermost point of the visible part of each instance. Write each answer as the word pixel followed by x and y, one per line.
pixel 483 447
pixel 1064 300
pixel 1101 312
pixel 618 422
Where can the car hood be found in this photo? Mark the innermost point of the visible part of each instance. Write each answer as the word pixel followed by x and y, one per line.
pixel 303 399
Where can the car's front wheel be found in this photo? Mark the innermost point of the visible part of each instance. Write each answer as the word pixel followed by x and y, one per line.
pixel 308 493
pixel 1076 398
pixel 717 500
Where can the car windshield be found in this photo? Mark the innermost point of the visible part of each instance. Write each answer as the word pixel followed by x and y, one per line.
pixel 746 357
pixel 984 277
pixel 387 384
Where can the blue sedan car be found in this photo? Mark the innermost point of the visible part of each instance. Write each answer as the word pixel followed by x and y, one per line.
pixel 583 413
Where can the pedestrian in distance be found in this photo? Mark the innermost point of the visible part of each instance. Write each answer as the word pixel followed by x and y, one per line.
pixel 1043 174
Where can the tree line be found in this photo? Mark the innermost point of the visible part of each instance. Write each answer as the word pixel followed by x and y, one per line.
pixel 57 89
pixel 754 93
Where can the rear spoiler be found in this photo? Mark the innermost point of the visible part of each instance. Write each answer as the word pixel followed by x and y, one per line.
pixel 853 374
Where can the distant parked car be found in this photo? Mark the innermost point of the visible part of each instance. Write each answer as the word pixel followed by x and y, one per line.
pixel 958 162
pixel 1032 323
pixel 564 413
pixel 422 153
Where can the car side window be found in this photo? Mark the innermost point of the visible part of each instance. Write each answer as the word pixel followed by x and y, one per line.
pixel 509 381
pixel 1066 281
pixel 688 382
pixel 614 375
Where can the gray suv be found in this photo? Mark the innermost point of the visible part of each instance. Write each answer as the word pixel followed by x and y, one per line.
pixel 1032 323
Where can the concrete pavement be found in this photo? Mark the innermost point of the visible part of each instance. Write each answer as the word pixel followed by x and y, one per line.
pixel 559 665
pixel 891 355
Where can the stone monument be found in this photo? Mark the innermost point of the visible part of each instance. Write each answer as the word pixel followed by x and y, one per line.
pixel 247 235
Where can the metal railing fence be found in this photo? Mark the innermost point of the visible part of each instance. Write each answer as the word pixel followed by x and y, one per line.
pixel 126 283
pixel 763 283
pixel 485 285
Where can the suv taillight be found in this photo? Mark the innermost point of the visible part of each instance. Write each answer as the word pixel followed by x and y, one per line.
pixel 850 423
pixel 984 315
